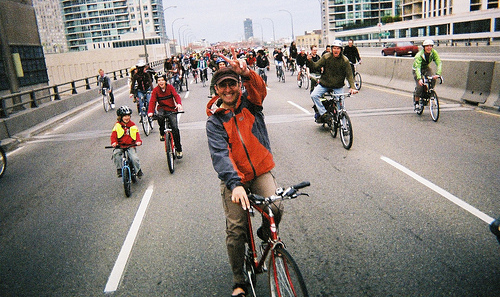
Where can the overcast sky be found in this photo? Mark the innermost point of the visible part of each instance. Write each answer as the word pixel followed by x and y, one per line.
pixel 222 20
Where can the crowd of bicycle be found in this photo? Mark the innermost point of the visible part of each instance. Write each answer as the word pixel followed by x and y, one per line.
pixel 237 88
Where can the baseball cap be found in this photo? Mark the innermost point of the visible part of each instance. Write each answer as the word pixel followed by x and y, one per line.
pixel 225 73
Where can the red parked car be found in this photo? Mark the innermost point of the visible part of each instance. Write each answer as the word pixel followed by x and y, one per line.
pixel 400 48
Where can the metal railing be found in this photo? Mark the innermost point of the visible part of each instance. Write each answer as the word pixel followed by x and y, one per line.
pixel 16 102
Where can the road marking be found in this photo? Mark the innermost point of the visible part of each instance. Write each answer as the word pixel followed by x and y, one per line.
pixel 187 95
pixel 489 113
pixel 486 218
pixel 117 272
pixel 299 107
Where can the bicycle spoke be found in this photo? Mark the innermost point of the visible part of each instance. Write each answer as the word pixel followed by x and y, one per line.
pixel 285 279
pixel 434 106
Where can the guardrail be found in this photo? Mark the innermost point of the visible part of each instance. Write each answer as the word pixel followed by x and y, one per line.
pixel 16 102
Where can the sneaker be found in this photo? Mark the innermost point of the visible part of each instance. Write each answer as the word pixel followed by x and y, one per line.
pixel 140 174
pixel 119 172
pixel 162 138
pixel 178 155
pixel 112 106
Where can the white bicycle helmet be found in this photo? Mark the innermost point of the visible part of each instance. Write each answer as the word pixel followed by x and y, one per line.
pixel 140 63
pixel 337 43
pixel 428 42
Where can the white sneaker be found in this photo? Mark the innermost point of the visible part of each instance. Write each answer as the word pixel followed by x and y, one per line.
pixel 178 155
pixel 112 106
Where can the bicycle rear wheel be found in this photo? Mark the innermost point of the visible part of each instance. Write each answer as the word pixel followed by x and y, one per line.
pixel 3 161
pixel 434 106
pixel 419 108
pixel 357 81
pixel 170 151
pixel 285 279
pixel 333 123
pixel 105 102
pixel 127 180
pixel 283 75
pixel 345 129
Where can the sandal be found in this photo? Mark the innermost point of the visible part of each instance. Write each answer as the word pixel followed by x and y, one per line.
pixel 241 286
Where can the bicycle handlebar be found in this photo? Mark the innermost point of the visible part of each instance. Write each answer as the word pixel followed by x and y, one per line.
pixel 338 95
pixel 156 116
pixel 430 77
pixel 281 194
pixel 119 147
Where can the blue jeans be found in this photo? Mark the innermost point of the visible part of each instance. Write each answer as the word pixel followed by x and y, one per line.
pixel 141 95
pixel 318 92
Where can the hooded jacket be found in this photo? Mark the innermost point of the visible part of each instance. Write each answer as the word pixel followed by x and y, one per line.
pixel 238 139
pixel 336 70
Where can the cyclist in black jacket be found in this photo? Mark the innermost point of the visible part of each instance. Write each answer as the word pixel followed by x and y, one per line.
pixel 103 82
pixel 351 52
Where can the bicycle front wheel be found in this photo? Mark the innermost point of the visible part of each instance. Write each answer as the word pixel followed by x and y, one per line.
pixel 105 103
pixel 145 124
pixel 186 83
pixel 3 161
pixel 345 129
pixel 285 279
pixel 357 81
pixel 305 81
pixel 127 180
pixel 170 151
pixel 434 106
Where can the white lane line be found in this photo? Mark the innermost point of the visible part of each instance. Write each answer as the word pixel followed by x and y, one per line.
pixel 476 212
pixel 187 95
pixel 299 107
pixel 117 272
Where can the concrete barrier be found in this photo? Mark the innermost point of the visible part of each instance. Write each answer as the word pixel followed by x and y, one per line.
pixel 30 118
pixel 395 73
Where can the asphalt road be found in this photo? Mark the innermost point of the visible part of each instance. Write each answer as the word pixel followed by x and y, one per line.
pixel 386 218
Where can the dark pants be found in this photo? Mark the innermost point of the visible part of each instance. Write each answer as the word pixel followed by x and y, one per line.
pixel 172 118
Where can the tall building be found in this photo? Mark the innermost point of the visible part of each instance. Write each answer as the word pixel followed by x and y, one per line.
pixel 50 26
pixel 94 24
pixel 22 62
pixel 359 13
pixel 248 27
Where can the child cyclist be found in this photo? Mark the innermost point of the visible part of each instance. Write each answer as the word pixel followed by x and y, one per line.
pixel 125 133
pixel 165 100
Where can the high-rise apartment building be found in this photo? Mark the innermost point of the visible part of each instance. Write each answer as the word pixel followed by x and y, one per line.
pixel 352 13
pixel 248 27
pixel 94 24
pixel 50 26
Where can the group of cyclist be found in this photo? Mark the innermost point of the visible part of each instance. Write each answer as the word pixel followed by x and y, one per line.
pixel 236 132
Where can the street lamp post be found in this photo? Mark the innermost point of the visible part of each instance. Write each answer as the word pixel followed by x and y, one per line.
pixel 185 33
pixel 172 6
pixel 143 34
pixel 261 32
pixel 291 17
pixel 179 34
pixel 165 29
pixel 173 37
pixel 274 36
